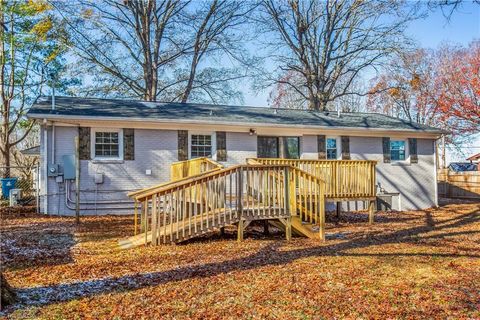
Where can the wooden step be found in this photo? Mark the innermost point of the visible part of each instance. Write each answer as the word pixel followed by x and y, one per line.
pixel 299 228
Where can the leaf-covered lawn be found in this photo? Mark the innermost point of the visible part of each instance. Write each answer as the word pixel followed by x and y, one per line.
pixel 407 265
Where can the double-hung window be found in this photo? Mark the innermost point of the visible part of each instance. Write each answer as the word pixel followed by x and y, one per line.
pixel 107 144
pixel 332 148
pixel 398 150
pixel 201 146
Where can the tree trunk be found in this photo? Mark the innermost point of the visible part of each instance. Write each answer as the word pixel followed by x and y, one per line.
pixel 5 161
pixel 8 296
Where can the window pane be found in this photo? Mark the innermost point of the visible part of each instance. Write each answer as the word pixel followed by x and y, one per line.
pixel 397 150
pixel 267 147
pixel 201 146
pixel 332 148
pixel 331 143
pixel 293 148
pixel 106 144
pixel 332 154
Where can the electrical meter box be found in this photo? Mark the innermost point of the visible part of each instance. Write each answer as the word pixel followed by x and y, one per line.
pixel 69 167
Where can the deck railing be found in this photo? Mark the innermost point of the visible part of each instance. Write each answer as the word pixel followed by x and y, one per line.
pixel 180 170
pixel 344 179
pixel 188 168
pixel 240 193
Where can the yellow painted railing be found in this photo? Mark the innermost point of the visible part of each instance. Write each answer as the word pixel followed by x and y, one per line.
pixel 193 167
pixel 195 205
pixel 344 179
pixel 180 170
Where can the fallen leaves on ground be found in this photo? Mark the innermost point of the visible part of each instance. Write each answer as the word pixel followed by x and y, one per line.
pixel 417 264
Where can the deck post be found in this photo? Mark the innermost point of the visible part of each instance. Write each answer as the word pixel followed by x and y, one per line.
pixel 288 228
pixel 240 229
pixel 287 187
pixel 321 229
pixel 371 211
pixel 339 209
pixel 266 231
pixel 142 217
pixel 135 212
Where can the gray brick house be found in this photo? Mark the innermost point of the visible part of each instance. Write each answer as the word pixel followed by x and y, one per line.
pixel 128 145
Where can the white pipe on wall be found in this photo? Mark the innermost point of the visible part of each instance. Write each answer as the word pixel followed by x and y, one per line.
pixel 52 160
pixel 45 167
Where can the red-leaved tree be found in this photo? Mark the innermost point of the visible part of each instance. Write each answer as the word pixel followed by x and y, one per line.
pixel 434 87
pixel 458 86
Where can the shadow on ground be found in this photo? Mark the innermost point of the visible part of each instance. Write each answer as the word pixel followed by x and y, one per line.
pixel 266 256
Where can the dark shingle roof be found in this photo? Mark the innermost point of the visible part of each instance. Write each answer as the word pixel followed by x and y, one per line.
pixel 72 107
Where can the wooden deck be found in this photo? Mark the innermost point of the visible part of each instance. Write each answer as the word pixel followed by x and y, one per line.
pixel 290 194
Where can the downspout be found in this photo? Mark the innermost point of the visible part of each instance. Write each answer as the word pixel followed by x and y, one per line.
pixel 45 166
pixel 53 127
pixel 52 160
pixel 435 171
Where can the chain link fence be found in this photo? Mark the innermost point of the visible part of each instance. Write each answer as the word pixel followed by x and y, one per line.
pixel 19 186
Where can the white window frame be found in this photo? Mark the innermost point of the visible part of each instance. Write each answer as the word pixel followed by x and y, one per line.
pixel 213 135
pixel 407 151
pixel 93 132
pixel 339 147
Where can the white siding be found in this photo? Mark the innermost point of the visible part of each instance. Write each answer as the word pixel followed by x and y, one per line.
pixel 240 146
pixel 155 150
pixel 309 147
pixel 415 182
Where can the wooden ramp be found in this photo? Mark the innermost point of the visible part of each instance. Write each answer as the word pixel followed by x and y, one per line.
pixel 182 230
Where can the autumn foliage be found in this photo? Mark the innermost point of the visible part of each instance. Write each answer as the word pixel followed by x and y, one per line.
pixel 458 85
pixel 434 87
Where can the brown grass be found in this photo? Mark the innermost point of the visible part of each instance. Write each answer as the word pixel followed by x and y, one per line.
pixel 419 264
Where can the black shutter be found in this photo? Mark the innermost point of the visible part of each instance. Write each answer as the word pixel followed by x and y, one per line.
pixel 84 143
pixel 322 147
pixel 386 149
pixel 182 145
pixel 345 148
pixel 128 144
pixel 221 146
pixel 412 147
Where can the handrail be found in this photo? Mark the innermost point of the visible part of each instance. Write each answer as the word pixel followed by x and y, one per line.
pixel 199 177
pixel 214 166
pixel 197 204
pixel 344 178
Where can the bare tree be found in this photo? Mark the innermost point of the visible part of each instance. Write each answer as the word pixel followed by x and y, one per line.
pixel 214 33
pixel 330 43
pixel 29 52
pixel 154 49
pixel 448 7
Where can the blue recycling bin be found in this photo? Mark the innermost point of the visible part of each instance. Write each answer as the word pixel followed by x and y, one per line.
pixel 7 185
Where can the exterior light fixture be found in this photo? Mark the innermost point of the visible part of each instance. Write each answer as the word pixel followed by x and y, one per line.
pixel 252 132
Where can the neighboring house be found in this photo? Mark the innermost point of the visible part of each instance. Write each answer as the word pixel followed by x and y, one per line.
pixel 475 159
pixel 129 145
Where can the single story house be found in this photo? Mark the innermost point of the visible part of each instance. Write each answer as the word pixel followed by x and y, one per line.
pixel 128 145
